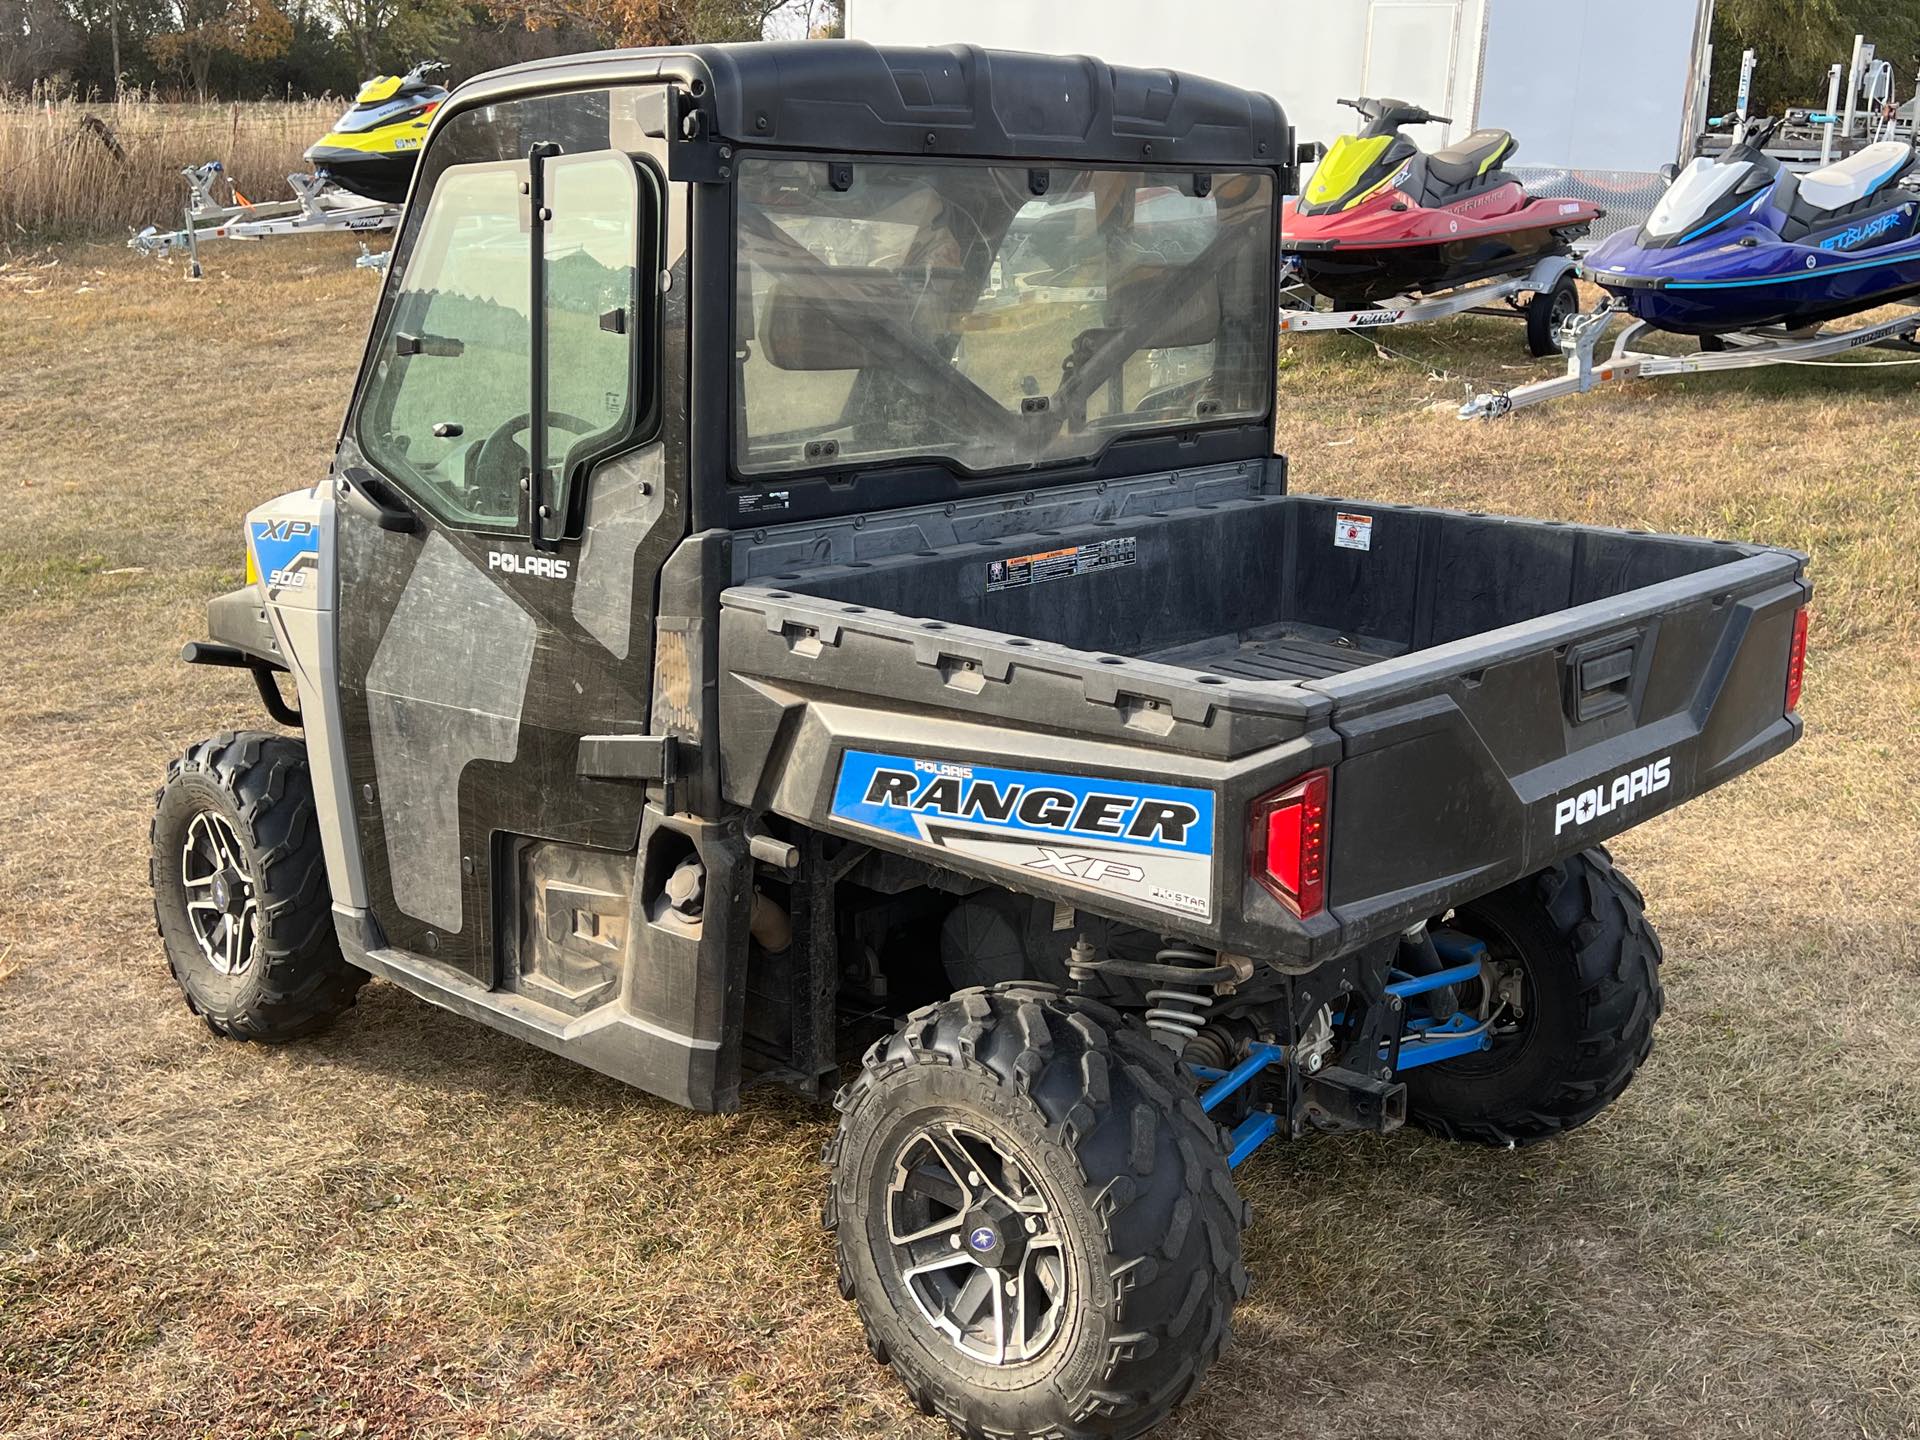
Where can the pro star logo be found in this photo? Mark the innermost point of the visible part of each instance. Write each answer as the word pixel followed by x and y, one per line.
pixel 982 1238
pixel 1590 804
pixel 510 563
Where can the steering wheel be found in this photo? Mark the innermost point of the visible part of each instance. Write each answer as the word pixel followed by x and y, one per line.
pixel 499 461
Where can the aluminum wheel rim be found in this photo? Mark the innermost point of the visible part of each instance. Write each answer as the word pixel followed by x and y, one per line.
pixel 955 1188
pixel 223 908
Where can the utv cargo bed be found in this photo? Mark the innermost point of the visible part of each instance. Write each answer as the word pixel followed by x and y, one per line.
pixel 1490 693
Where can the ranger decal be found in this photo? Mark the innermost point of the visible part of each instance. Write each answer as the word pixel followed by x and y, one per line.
pixel 1149 843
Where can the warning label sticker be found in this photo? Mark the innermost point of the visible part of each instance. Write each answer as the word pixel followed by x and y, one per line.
pixel 1011 574
pixel 1352 532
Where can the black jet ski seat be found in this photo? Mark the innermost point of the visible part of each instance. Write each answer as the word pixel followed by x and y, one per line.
pixel 1458 165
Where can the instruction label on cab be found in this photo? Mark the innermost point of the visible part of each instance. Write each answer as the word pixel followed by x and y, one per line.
pixel 1062 564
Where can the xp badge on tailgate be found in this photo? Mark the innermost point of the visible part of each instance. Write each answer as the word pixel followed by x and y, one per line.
pixel 1152 844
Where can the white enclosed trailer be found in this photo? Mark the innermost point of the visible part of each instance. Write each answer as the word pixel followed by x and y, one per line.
pixel 1600 94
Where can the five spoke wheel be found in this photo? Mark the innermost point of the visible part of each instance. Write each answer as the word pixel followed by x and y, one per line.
pixel 975 1244
pixel 222 906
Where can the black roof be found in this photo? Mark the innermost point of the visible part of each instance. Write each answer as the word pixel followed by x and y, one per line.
pixel 852 97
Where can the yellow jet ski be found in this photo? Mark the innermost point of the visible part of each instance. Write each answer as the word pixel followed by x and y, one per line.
pixel 372 148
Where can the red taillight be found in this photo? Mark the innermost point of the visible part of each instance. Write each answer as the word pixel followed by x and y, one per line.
pixel 1287 847
pixel 1797 659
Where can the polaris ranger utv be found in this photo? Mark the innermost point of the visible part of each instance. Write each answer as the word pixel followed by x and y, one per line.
pixel 805 567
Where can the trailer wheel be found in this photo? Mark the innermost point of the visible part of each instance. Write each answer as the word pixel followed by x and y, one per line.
pixel 1577 951
pixel 1033 1216
pixel 240 891
pixel 1545 310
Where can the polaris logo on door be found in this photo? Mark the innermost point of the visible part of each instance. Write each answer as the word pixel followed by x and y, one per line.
pixel 512 564
pixel 1149 843
pixel 1609 795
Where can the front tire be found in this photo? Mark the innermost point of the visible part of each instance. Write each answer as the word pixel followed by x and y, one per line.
pixel 1034 1217
pixel 1576 937
pixel 240 892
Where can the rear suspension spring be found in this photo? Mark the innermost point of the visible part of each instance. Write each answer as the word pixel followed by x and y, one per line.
pixel 1177 1012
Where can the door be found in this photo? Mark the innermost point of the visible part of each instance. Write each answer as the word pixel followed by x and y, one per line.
pixel 506 514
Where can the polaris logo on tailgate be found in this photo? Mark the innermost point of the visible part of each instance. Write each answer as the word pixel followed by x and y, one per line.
pixel 1609 795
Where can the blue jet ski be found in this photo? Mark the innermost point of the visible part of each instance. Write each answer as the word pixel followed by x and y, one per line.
pixel 1740 243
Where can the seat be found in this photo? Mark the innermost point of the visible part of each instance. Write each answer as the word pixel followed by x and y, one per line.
pixel 1457 165
pixel 1849 181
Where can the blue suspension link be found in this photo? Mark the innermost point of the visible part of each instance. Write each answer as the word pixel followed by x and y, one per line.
pixel 1427 1042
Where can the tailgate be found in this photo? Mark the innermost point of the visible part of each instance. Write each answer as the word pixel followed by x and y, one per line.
pixel 1471 764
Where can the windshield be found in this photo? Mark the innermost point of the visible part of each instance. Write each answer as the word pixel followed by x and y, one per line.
pixel 1697 194
pixel 934 311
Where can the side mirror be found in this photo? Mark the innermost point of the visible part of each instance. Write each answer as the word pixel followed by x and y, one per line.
pixel 1308 151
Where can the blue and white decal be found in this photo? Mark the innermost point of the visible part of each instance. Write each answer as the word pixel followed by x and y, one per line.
pixel 1148 843
pixel 286 552
pixel 1867 230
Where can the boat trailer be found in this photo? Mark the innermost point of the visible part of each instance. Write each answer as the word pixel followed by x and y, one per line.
pixel 318 205
pixel 1478 298
pixel 1580 336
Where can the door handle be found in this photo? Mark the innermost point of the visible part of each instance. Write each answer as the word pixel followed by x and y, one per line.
pixel 379 502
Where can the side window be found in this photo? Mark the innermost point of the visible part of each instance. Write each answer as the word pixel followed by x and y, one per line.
pixel 448 410
pixel 452 377
pixel 592 255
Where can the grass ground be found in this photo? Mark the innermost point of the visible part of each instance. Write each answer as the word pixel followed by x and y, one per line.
pixel 413 1226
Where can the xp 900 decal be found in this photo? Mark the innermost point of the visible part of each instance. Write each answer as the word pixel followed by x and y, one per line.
pixel 286 552
pixel 1152 844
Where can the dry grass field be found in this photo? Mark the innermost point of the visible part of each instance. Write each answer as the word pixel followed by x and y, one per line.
pixel 412 1226
pixel 73 168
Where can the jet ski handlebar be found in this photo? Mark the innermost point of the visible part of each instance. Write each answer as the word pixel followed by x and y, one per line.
pixel 1394 112
pixel 1756 132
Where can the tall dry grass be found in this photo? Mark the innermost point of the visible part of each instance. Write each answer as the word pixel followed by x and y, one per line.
pixel 69 168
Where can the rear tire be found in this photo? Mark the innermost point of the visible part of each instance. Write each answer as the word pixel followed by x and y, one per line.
pixel 1546 310
pixel 1589 966
pixel 1127 1225
pixel 240 892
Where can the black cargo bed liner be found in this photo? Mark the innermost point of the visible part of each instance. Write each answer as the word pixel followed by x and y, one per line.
pixel 1277 652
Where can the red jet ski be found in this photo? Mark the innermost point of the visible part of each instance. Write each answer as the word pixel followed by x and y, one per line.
pixel 1381 217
